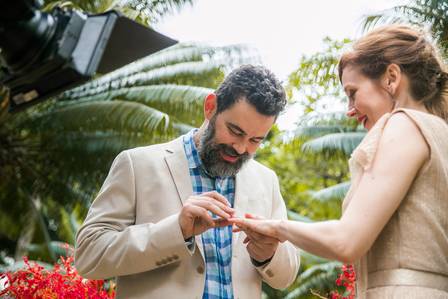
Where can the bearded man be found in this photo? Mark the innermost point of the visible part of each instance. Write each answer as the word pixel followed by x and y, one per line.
pixel 160 221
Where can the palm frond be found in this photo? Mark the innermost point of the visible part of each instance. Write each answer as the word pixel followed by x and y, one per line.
pixel 166 65
pixel 171 74
pixel 431 13
pixel 297 217
pixel 103 115
pixel 309 258
pixel 320 276
pixel 338 142
pixel 181 100
pixel 329 266
pixel 388 16
pixel 318 130
pixel 59 249
pixel 155 9
pixel 319 118
pixel 337 191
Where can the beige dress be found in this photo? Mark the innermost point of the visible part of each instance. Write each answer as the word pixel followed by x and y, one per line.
pixel 409 259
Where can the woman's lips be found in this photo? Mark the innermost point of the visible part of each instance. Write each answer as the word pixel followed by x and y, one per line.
pixel 362 118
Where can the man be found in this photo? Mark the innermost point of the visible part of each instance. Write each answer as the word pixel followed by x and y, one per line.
pixel 159 223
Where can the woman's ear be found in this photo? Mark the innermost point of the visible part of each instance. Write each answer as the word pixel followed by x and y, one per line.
pixel 392 78
pixel 210 105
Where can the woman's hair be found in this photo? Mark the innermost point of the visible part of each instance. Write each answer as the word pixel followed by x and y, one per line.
pixel 413 53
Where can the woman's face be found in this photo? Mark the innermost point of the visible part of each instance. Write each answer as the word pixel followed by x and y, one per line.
pixel 368 100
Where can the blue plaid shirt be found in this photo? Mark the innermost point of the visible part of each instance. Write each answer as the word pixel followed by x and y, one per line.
pixel 217 242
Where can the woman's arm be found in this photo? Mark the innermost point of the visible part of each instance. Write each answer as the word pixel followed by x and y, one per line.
pixel 401 153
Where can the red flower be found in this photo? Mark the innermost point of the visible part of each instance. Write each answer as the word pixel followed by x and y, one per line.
pixel 347 279
pixel 63 281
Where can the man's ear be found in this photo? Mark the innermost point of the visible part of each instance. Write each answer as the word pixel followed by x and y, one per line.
pixel 210 106
pixel 392 78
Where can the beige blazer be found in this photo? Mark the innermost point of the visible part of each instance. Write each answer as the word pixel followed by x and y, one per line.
pixel 132 231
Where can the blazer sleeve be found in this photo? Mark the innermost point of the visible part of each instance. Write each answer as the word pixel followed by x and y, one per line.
pixel 109 243
pixel 282 270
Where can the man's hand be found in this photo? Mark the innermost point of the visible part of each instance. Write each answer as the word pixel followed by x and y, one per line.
pixel 260 247
pixel 194 218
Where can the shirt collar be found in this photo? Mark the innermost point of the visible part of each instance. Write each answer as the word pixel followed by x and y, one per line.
pixel 191 151
pixel 194 161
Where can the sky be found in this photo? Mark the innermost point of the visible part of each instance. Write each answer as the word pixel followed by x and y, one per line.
pixel 281 30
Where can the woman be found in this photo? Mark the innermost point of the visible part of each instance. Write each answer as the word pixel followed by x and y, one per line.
pixel 394 224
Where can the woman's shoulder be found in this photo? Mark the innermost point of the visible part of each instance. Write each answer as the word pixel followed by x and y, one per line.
pixel 394 131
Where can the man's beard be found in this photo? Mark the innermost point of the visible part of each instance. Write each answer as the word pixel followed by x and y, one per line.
pixel 210 154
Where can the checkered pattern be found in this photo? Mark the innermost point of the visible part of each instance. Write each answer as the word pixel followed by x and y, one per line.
pixel 217 242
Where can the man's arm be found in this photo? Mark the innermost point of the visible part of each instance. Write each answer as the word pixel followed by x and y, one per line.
pixel 110 243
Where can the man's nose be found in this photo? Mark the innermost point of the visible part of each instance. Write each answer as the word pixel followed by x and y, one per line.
pixel 240 147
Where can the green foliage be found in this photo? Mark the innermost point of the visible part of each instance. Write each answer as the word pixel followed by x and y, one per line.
pixel 316 78
pixel 146 12
pixel 432 13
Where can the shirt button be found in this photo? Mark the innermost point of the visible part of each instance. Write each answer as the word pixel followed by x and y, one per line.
pixel 200 269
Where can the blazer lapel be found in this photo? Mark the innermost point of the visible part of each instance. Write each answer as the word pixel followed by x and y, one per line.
pixel 241 200
pixel 178 166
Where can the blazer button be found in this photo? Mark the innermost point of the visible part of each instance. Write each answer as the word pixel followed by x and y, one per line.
pixel 175 256
pixel 200 269
pixel 269 273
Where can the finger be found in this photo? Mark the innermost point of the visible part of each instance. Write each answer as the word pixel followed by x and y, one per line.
pixel 238 221
pixel 199 212
pixel 263 249
pixel 217 196
pixel 247 224
pixel 212 207
pixel 221 222
pixel 218 203
pixel 260 238
pixel 236 229
pixel 252 216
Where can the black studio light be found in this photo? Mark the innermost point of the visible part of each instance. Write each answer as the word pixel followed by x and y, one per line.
pixel 43 54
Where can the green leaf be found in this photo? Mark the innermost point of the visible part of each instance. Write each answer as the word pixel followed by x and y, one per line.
pixel 337 191
pixel 336 142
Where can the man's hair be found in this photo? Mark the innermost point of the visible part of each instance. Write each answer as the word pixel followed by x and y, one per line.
pixel 255 84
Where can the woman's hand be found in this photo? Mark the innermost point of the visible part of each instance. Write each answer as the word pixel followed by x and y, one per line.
pixel 257 227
